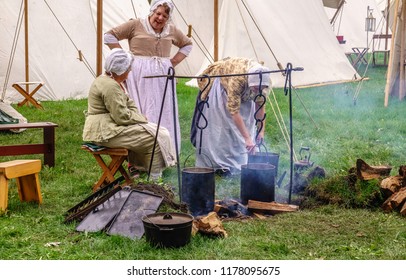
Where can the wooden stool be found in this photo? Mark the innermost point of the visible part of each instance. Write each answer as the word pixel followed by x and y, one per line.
pixel 28 96
pixel 117 156
pixel 26 174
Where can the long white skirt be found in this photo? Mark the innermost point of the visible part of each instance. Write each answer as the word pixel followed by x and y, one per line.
pixel 148 94
pixel 223 146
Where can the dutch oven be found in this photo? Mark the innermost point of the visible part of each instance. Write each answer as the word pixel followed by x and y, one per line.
pixel 168 229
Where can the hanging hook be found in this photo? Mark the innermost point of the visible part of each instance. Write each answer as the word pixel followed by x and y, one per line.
pixel 259 122
pixel 200 107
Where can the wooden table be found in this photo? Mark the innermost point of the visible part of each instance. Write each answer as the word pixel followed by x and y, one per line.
pixel 47 147
pixel 359 53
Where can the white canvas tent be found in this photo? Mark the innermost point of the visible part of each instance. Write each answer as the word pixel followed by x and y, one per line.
pixel 349 22
pixel 57 30
pixel 395 83
pixel 198 15
pixel 284 31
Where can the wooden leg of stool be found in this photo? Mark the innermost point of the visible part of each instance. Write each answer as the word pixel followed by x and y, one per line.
pixel 111 170
pixel 3 192
pixel 116 163
pixel 106 177
pixel 29 188
pixel 125 175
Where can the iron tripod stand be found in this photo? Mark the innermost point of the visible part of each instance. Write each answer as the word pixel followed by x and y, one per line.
pixel 288 91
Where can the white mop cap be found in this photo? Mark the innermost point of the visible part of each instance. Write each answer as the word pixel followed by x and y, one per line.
pixel 118 61
pixel 254 80
pixel 156 3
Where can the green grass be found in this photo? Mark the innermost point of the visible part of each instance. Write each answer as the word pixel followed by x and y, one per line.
pixel 337 130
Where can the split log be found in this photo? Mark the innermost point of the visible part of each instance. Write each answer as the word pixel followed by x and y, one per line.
pixel 210 225
pixel 391 185
pixel 403 210
pixel 387 206
pixel 402 170
pixel 259 216
pixel 395 200
pixel 368 172
pixel 398 198
pixel 272 207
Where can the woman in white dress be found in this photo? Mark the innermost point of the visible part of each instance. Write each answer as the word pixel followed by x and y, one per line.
pixel 150 40
pixel 234 103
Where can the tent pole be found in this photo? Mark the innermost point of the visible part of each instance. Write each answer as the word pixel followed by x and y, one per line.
pixel 402 55
pixel 216 30
pixel 391 56
pixel 387 25
pixel 27 67
pixel 387 30
pixel 99 37
pixel 337 11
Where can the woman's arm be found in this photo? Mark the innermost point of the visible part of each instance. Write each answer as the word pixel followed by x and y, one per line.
pixel 239 122
pixel 111 41
pixel 184 44
pixel 177 58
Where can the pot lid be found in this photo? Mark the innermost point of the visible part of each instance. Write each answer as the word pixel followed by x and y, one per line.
pixel 161 219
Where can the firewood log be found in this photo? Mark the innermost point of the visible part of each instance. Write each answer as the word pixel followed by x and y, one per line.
pixel 391 185
pixel 403 210
pixel 398 198
pixel 368 172
pixel 402 170
pixel 387 205
pixel 272 207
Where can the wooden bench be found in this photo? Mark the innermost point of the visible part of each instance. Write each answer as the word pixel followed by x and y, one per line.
pixel 47 147
pixel 117 157
pixel 26 174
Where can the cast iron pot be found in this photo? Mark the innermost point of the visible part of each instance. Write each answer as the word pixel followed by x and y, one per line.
pixel 170 230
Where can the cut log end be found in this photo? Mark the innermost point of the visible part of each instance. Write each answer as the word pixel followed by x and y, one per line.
pixel 368 172
pixel 271 207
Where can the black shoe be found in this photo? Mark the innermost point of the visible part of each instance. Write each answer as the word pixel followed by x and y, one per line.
pixel 223 172
pixel 134 172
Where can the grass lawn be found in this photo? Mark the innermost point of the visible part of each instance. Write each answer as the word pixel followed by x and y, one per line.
pixel 337 122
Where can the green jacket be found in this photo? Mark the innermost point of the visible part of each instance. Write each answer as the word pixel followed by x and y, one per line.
pixel 109 111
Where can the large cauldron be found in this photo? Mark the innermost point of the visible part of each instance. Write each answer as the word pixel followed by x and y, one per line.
pixel 265 157
pixel 257 182
pixel 198 187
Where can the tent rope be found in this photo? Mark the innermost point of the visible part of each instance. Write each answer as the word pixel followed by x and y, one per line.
pixel 341 12
pixel 280 122
pixel 303 105
pixel 83 58
pixel 341 18
pixel 13 50
pixel 248 33
pixel 199 42
pixel 132 4
pixel 360 84
pixel 263 37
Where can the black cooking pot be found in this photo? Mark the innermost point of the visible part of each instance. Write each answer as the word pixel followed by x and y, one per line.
pixel 170 230
pixel 198 188
pixel 257 182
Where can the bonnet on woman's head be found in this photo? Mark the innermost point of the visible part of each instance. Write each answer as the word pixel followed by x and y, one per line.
pixel 254 80
pixel 118 61
pixel 156 3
